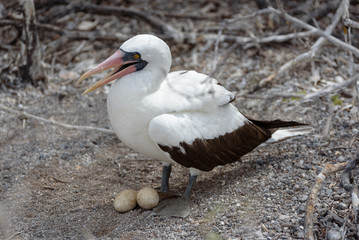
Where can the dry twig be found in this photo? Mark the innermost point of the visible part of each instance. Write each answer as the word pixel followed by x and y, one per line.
pixel 118 11
pixel 355 204
pixel 328 122
pixel 67 35
pixel 333 88
pixel 68 126
pixel 346 18
pixel 308 96
pixel 307 55
pixel 270 96
pixel 32 51
pixel 327 170
pixel 347 35
pixel 347 174
pixel 350 185
pixel 14 235
pixel 337 42
pixel 321 11
pixel 350 23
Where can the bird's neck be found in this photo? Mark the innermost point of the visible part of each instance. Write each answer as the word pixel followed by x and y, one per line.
pixel 138 84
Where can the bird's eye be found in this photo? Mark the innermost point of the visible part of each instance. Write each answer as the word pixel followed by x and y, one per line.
pixel 136 56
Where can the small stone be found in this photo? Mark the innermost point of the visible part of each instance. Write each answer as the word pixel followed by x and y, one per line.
pixel 301 209
pixel 147 198
pixel 303 198
pixel 300 234
pixel 258 234
pixel 125 200
pixel 339 79
pixel 341 206
pixel 284 217
pixel 336 197
pixel 87 25
pixel 333 235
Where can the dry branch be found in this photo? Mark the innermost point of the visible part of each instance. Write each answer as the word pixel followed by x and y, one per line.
pixel 350 23
pixel 337 42
pixel 247 42
pixel 349 184
pixel 355 203
pixel 252 15
pixel 327 170
pixel 270 96
pixel 347 32
pixel 316 46
pixel 346 18
pixel 13 22
pixel 309 96
pixel 279 38
pixel 320 12
pixel 32 51
pixel 118 11
pixel 68 126
pixel 333 88
pixel 166 29
pixel 66 34
pixel 347 173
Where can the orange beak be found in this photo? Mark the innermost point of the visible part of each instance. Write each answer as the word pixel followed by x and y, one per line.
pixel 116 61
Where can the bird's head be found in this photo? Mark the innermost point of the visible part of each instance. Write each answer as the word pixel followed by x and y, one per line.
pixel 138 53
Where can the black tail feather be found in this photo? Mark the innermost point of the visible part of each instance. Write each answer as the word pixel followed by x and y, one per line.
pixel 276 123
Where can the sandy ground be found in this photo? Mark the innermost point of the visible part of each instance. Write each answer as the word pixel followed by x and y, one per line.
pixel 58 183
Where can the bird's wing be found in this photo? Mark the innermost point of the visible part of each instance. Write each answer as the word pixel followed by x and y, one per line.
pixel 200 87
pixel 206 139
pixel 189 91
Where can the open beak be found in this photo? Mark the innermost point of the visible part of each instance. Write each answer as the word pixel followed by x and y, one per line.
pixel 116 61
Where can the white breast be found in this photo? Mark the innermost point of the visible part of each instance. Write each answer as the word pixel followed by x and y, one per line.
pixel 130 120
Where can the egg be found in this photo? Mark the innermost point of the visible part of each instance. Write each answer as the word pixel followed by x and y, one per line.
pixel 125 200
pixel 147 198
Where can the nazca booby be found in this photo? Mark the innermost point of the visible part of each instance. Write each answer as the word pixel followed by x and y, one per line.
pixel 182 117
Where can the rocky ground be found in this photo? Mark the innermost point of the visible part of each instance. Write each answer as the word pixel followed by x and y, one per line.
pixel 58 183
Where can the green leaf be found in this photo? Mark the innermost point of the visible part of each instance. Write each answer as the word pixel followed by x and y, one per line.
pixel 336 100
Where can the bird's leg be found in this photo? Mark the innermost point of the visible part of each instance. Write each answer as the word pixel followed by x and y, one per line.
pixel 166 172
pixel 188 191
pixel 177 207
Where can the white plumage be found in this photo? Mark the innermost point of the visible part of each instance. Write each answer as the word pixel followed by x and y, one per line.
pixel 185 106
pixel 154 106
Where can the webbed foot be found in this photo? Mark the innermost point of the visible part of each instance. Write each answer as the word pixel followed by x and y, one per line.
pixel 173 207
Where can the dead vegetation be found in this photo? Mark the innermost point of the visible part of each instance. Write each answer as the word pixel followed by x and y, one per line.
pixel 298 57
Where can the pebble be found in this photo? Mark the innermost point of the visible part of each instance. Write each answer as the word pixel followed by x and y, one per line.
pixel 341 206
pixel 301 209
pixel 336 197
pixel 125 200
pixel 341 159
pixel 258 234
pixel 333 235
pixel 303 198
pixel 87 25
pixel 147 198
pixel 284 217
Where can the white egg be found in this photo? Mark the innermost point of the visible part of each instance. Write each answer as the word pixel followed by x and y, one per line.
pixel 147 198
pixel 125 200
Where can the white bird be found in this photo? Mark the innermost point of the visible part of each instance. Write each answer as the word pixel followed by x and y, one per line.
pixel 182 117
